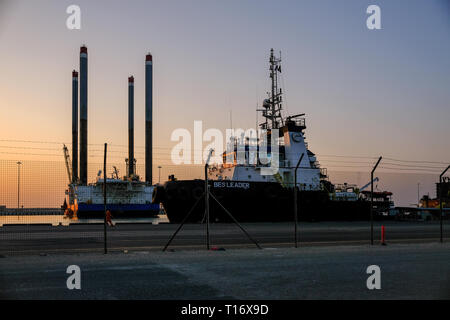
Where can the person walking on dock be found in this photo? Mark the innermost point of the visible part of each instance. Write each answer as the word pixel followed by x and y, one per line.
pixel 109 218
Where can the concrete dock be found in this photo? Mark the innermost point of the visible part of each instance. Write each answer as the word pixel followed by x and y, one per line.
pixel 40 239
pixel 407 271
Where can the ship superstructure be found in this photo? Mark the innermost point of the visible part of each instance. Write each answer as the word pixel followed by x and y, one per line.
pixel 290 141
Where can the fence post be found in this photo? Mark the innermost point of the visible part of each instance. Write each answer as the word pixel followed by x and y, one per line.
pixel 295 199
pixel 207 198
pixel 371 200
pixel 104 200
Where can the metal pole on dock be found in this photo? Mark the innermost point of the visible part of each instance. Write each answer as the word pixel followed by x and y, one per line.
pixel 295 199
pixel 104 199
pixel 18 185
pixel 207 199
pixel 440 201
pixel 371 200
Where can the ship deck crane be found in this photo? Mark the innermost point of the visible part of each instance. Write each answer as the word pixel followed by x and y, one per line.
pixel 368 184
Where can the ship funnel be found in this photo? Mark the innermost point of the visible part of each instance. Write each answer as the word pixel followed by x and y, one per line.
pixel 131 127
pixel 83 114
pixel 148 117
pixel 74 126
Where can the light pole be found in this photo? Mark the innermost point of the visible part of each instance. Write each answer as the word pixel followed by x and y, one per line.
pixel 418 196
pixel 440 200
pixel 159 174
pixel 18 184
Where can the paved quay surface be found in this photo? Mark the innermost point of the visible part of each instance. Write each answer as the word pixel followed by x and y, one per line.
pixel 37 239
pixel 412 271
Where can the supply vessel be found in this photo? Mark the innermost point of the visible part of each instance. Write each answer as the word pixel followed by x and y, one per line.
pixel 247 184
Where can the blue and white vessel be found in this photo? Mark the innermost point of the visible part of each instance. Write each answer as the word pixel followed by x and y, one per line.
pixel 125 199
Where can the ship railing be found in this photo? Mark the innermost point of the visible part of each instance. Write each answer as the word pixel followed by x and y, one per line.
pixel 267 126
pixel 282 164
pixel 301 186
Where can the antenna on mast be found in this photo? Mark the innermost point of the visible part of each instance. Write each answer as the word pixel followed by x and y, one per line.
pixel 273 105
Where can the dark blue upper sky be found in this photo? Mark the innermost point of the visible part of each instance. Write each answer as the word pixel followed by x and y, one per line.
pixel 365 92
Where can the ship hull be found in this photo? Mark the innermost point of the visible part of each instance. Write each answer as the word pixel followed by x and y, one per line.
pixel 90 211
pixel 124 199
pixel 254 202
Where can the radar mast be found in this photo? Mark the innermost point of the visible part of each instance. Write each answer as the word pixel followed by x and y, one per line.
pixel 273 105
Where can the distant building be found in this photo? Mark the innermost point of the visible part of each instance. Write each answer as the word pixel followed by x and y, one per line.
pixel 445 186
pixel 427 202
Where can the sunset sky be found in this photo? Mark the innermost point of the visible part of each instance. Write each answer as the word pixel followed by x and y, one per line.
pixel 365 92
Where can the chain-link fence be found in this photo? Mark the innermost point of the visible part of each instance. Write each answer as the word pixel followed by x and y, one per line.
pixel 32 220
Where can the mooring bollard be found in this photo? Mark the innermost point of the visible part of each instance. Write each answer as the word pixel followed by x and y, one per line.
pixel 383 236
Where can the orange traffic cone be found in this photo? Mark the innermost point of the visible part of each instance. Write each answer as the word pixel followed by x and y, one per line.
pixel 383 236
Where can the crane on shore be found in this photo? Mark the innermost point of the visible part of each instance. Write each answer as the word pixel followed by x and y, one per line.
pixel 67 160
